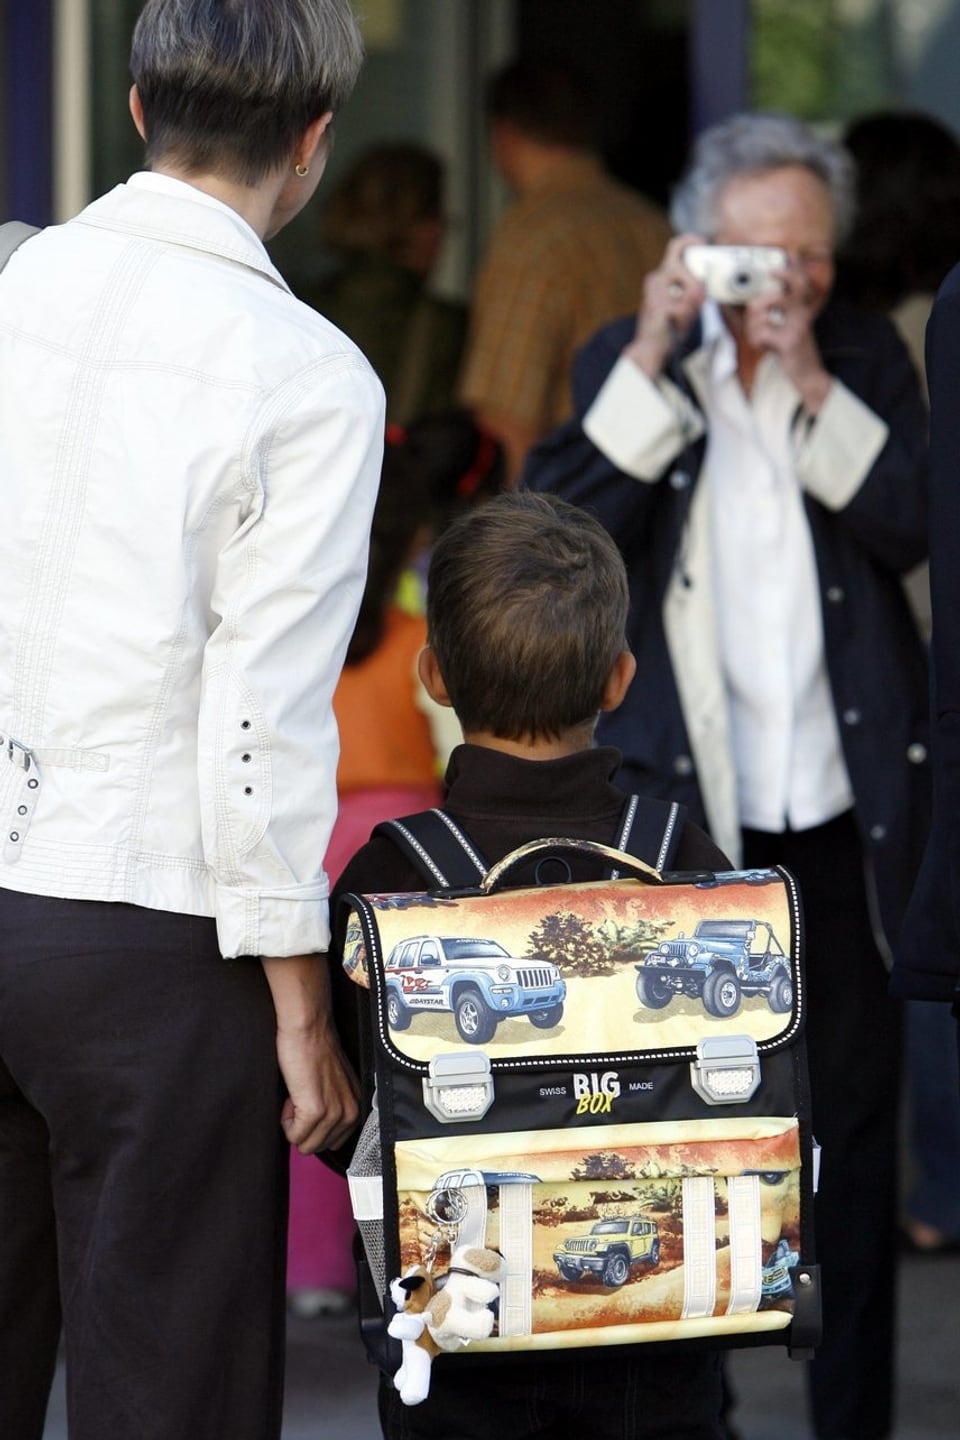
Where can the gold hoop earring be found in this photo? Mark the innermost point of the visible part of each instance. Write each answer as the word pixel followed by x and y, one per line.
pixel 301 170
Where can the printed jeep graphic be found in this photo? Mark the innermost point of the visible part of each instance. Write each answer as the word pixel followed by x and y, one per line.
pixel 720 962
pixel 610 1250
pixel 477 981
pixel 776 1277
pixel 447 1201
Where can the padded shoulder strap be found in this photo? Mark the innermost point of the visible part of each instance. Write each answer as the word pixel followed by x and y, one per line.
pixel 438 848
pixel 650 830
pixel 12 236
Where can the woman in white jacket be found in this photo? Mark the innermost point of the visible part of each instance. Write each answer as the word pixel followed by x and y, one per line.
pixel 188 464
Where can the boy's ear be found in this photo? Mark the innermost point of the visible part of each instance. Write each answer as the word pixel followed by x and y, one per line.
pixel 429 671
pixel 618 681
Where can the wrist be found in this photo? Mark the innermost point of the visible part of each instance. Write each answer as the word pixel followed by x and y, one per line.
pixel 648 357
pixel 814 390
pixel 300 986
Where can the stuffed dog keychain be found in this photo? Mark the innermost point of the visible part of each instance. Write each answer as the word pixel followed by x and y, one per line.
pixel 430 1320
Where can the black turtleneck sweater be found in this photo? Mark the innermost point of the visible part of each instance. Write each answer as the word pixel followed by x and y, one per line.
pixel 501 802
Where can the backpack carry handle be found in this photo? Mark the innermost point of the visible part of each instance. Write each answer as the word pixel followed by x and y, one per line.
pixel 496 874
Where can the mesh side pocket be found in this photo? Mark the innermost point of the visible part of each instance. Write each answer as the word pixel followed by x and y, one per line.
pixel 365 1178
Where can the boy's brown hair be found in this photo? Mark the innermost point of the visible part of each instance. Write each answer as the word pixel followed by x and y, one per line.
pixel 526 613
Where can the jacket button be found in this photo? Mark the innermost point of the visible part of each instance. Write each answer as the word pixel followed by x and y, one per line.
pixel 14 835
pixel 679 480
pixel 916 753
pixel 246 758
pixel 878 832
pixel 683 765
pixel 21 809
pixel 835 594
pixel 851 716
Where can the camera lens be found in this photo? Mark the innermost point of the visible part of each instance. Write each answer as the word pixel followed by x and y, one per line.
pixel 742 280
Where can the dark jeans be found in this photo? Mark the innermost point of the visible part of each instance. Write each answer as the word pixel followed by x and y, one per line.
pixel 635 1392
pixel 933 1090
pixel 854 1052
pixel 142 1177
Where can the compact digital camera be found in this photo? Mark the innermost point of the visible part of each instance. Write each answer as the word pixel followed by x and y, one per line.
pixel 733 274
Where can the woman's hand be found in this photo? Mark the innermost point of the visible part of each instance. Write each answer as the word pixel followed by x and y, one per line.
pixel 784 324
pixel 321 1109
pixel 671 302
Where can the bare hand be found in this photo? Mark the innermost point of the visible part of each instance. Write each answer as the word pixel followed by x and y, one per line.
pixel 322 1107
pixel 671 302
pixel 784 324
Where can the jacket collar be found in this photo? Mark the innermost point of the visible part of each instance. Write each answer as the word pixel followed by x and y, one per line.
pixel 158 207
pixel 480 781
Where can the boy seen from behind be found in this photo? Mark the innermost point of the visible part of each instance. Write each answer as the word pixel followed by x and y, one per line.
pixel 526 615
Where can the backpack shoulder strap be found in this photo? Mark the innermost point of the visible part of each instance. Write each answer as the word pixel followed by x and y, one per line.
pixel 12 236
pixel 438 848
pixel 446 858
pixel 650 830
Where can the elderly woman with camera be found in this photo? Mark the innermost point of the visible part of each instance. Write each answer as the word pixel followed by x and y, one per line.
pixel 759 454
pixel 189 459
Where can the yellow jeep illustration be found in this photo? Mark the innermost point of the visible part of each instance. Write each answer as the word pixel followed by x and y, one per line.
pixel 610 1250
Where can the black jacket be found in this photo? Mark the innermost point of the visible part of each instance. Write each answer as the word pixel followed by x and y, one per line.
pixel 875 658
pixel 928 959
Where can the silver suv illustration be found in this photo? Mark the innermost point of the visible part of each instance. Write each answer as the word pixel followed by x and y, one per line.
pixel 477 981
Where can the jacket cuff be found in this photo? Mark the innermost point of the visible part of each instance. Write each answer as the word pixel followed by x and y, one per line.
pixel 840 448
pixel 292 921
pixel 638 424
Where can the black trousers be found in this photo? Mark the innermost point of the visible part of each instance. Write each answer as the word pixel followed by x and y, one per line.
pixel 142 1177
pixel 854 1050
pixel 636 1392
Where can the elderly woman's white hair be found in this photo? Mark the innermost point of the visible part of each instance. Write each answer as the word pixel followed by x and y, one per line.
pixel 755 144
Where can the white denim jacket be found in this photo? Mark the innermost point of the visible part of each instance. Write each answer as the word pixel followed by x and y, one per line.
pixel 189 459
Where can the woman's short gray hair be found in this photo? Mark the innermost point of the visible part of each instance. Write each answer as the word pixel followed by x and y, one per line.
pixel 229 86
pixel 752 145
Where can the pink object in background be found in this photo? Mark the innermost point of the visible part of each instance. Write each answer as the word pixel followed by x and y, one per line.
pixel 319 1246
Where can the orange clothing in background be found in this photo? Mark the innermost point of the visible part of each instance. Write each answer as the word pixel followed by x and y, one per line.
pixel 385 739
pixel 388 767
pixel 567 256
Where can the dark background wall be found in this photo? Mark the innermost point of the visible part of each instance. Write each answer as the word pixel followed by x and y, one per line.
pixel 635 58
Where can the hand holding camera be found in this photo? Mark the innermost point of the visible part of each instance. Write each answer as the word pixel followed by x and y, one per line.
pixel 768 300
pixel 672 297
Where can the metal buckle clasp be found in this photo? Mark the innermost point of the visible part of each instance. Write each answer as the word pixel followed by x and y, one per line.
pixel 459 1086
pixel 726 1070
pixel 19 754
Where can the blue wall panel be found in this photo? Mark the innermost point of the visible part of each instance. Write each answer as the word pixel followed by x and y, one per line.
pixel 28 105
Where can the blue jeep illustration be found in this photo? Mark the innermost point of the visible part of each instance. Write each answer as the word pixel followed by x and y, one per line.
pixel 720 962
pixel 477 981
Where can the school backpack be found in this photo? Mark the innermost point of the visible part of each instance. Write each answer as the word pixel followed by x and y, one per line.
pixel 605 1081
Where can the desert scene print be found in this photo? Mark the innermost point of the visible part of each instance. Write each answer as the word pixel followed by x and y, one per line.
pixel 617 966
pixel 611 1240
